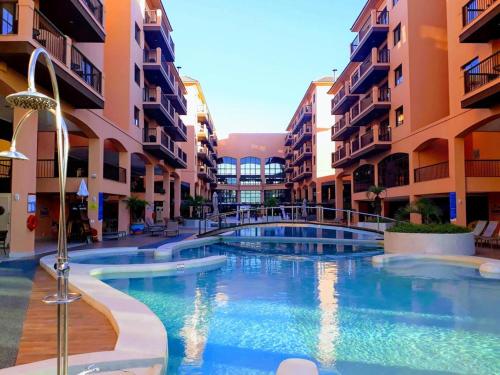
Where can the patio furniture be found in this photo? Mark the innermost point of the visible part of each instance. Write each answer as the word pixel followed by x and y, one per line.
pixel 478 229
pixel 172 229
pixel 3 241
pixel 488 235
pixel 152 227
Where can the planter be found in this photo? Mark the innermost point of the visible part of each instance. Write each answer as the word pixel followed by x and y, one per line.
pixel 429 243
pixel 374 226
pixel 137 228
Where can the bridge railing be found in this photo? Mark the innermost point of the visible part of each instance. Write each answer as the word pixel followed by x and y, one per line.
pixel 315 214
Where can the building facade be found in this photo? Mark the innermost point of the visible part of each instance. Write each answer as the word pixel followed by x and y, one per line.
pixel 199 178
pixel 307 144
pixel 418 108
pixel 122 99
pixel 251 170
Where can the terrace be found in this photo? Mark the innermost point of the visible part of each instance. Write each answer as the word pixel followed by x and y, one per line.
pixel 480 19
pixel 372 34
pixel 373 105
pixel 482 83
pixel 371 71
pixel 157 31
pixel 343 100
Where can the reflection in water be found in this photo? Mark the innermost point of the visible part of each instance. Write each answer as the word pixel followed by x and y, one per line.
pixel 195 331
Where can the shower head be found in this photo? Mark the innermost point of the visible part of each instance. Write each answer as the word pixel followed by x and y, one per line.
pixel 31 99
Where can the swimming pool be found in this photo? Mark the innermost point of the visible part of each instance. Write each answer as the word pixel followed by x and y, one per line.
pixel 310 231
pixel 349 317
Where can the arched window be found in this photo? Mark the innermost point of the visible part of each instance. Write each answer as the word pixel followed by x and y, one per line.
pixel 363 178
pixel 250 171
pixel 394 171
pixel 226 170
pixel 275 170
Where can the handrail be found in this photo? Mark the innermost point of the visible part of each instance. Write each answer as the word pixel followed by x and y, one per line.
pixel 291 213
pixel 482 73
pixel 473 9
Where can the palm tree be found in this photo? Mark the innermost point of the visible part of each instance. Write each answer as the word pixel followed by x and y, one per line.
pixel 374 193
pixel 196 203
pixel 136 207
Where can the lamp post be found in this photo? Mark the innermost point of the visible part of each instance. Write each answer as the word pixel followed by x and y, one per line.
pixel 35 101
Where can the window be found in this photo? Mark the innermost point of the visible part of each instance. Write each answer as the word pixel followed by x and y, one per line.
pixel 137 114
pixel 394 171
pixel 397 34
pixel 250 196
pixel 227 196
pixel 363 178
pixel 8 18
pixel 398 75
pixel 471 64
pixel 394 2
pixel 250 171
pixel 137 34
pixel 137 74
pixel 281 195
pixel 275 170
pixel 226 171
pixel 400 117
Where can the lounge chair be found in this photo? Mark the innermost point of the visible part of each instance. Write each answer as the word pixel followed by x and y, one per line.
pixel 152 227
pixel 479 228
pixel 172 229
pixel 488 235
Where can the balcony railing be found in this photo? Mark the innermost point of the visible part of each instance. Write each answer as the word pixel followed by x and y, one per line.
pixel 482 73
pixel 152 95
pixel 340 154
pixel 474 8
pixel 114 173
pixel 153 17
pixel 85 69
pixel 482 168
pixel 354 145
pixel 339 96
pixel 49 36
pixel 384 134
pixel 366 139
pixel 95 7
pixel 155 56
pixel 432 172
pixel 381 18
pixel 48 168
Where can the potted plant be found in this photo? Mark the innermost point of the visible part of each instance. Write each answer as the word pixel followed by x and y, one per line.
pixel 136 207
pixel 430 237
pixel 374 193
pixel 193 209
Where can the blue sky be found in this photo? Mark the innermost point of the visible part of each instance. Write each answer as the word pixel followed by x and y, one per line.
pixel 255 59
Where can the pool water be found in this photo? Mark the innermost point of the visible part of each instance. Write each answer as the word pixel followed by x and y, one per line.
pixel 303 231
pixel 345 314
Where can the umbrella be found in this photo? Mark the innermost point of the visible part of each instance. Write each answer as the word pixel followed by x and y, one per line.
pixel 304 208
pixel 82 190
pixel 215 203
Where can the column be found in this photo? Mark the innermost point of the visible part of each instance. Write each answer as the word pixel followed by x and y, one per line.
pixel 22 240
pixel 94 183
pixel 177 196
pixel 149 185
pixel 456 156
pixel 339 197
pixel 166 197
pixel 310 194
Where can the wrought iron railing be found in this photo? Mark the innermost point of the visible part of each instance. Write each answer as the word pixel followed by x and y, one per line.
pixel 85 69
pixel 95 7
pixel 384 134
pixel 432 172
pixel 49 36
pixel 152 17
pixel 381 18
pixel 482 73
pixel 482 168
pixel 474 8
pixel 366 139
pixel 48 168
pixel 114 173
pixel 354 145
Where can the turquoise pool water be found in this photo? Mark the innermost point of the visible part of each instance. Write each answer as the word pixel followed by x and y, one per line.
pixel 343 313
pixel 303 231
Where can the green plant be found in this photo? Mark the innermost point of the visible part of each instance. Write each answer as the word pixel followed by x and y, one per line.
pixel 136 207
pixel 195 203
pixel 374 193
pixel 431 214
pixel 271 202
pixel 428 228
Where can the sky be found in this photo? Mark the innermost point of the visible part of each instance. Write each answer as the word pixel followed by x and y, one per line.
pixel 256 58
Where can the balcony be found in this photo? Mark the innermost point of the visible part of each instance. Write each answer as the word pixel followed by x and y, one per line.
pixel 371 143
pixel 305 171
pixel 157 106
pixel 431 172
pixel 341 157
pixel 114 173
pixel 80 19
pixel 371 106
pixel 204 117
pixel 482 83
pixel 342 129
pixel 205 155
pixel 288 139
pixel 482 168
pixel 288 166
pixel 372 34
pixel 371 71
pixel 48 168
pixel 288 152
pixel 304 115
pixel 343 100
pixel 480 19
pixel 177 98
pixel 213 140
pixel 80 82
pixel 157 31
pixel 158 71
pixel 206 173
pixel 304 135
pixel 303 154
pixel 159 144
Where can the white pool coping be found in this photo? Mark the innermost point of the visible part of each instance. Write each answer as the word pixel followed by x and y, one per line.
pixel 141 337
pixel 487 267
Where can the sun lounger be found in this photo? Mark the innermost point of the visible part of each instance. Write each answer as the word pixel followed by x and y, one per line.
pixel 172 229
pixel 153 228
pixel 488 235
pixel 479 228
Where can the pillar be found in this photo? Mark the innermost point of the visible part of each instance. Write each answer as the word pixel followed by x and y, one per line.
pixel 456 155
pixel 166 196
pixel 177 196
pixel 22 240
pixel 310 193
pixel 94 183
pixel 149 186
pixel 339 197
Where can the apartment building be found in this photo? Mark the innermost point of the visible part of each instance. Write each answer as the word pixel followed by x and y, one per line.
pixel 308 144
pixel 251 169
pixel 417 108
pixel 199 178
pixel 122 100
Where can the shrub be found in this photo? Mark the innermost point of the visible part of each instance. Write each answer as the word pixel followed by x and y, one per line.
pixel 428 228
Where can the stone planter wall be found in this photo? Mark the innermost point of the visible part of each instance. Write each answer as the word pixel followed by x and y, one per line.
pixel 374 226
pixel 429 243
